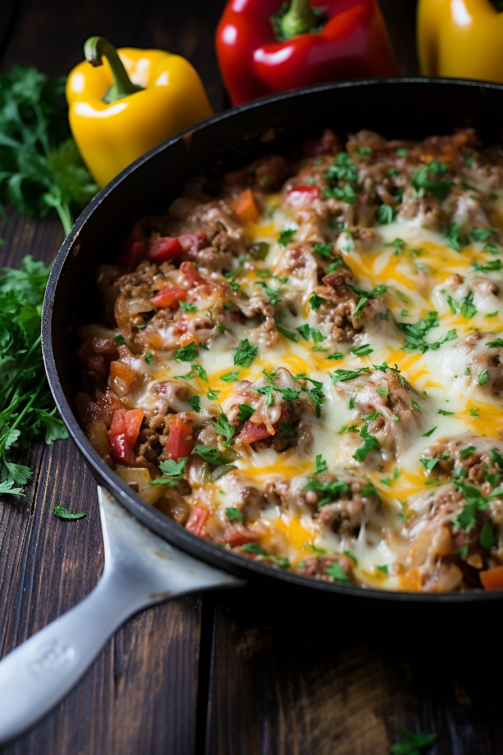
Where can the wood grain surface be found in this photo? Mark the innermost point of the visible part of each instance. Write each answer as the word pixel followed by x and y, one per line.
pixel 242 673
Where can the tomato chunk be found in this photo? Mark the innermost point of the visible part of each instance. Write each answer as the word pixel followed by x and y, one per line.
pixel 123 433
pixel 168 298
pixel 197 520
pixel 303 195
pixel 189 270
pixel 492 579
pixel 237 534
pixel 245 208
pixel 250 432
pixel 133 251
pixel 180 441
pixel 164 248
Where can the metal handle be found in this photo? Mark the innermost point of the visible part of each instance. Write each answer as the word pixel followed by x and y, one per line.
pixel 41 671
pixel 141 569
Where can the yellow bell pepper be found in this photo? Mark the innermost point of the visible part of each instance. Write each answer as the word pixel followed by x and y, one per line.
pixel 460 38
pixel 121 108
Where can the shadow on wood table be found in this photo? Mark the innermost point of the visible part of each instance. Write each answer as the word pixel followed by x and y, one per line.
pixel 243 673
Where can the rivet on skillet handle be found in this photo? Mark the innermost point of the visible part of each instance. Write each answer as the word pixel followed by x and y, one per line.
pixel 140 570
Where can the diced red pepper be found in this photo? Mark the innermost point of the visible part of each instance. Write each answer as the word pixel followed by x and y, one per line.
pixel 189 270
pixel 168 297
pixel 123 433
pixel 165 248
pixel 193 242
pixel 251 432
pixel 492 579
pixel 237 534
pixel 300 196
pixel 197 520
pixel 180 442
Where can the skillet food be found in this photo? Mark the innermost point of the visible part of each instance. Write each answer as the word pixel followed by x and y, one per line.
pixel 304 365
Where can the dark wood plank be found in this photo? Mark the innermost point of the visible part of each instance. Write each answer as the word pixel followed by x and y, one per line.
pixel 297 675
pixel 141 694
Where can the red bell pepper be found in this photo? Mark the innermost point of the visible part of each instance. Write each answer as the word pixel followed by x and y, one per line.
pixel 164 248
pixel 251 432
pixel 168 297
pixel 303 195
pixel 265 47
pixel 123 433
pixel 180 442
pixel 197 520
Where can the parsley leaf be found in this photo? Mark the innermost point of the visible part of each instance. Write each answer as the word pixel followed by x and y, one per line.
pixel 370 442
pixel 415 334
pixel 316 301
pixel 212 455
pixel 384 214
pixel 414 742
pixel 272 293
pixel 195 403
pixel 324 250
pixel 234 514
pixel 230 377
pixel 286 236
pixel 172 472
pixel 245 412
pixel 245 353
pixel 187 353
pixel 337 573
pixel 421 184
pixel 62 513
pixel 188 307
pixel 287 333
pixel 212 395
pixel 489 267
pixel 224 427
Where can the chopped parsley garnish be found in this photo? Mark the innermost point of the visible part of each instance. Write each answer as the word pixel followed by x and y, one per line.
pixel 444 413
pixel 187 353
pixel 212 395
pixel 429 463
pixel 474 412
pixel 346 194
pixel 398 244
pixel 336 355
pixel 212 455
pixel 341 376
pixel 272 293
pixel 148 358
pixel 316 301
pixel 195 403
pixel 120 340
pixel 475 502
pixel 245 412
pixel 224 427
pixel 402 153
pixel 230 377
pixel 384 214
pixel 320 465
pixel 483 376
pixel 421 184
pixel 481 234
pixel 489 267
pixel 363 151
pixel 466 452
pixel 62 512
pixel 331 490
pixel 172 472
pixel 498 344
pixel 195 370
pixel 430 432
pixel 234 514
pixel 337 573
pixel 254 548
pixel 324 250
pixel 415 334
pixel 363 350
pixel 287 429
pixel 287 333
pixel 286 236
pixel 370 442
pixel 487 538
pixel 245 353
pixel 188 307
pixel 311 334
pixel 383 390
pixel 414 742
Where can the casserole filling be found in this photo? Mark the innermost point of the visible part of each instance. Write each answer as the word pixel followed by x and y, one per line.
pixel 305 365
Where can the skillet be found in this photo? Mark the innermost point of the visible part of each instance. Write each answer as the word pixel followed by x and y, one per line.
pixel 397 108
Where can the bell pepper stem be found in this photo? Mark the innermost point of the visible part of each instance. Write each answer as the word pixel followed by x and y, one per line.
pixel 298 19
pixel 95 49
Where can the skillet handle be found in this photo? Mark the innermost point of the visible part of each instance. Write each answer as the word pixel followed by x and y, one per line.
pixel 39 673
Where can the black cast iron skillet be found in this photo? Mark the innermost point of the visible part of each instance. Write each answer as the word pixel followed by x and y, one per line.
pixel 396 108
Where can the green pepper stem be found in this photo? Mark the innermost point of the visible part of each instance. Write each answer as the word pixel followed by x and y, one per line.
pixel 94 50
pixel 298 19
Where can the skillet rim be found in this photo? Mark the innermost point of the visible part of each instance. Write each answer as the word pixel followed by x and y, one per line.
pixel 211 553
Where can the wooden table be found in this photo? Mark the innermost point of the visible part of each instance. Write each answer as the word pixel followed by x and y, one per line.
pixel 232 673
